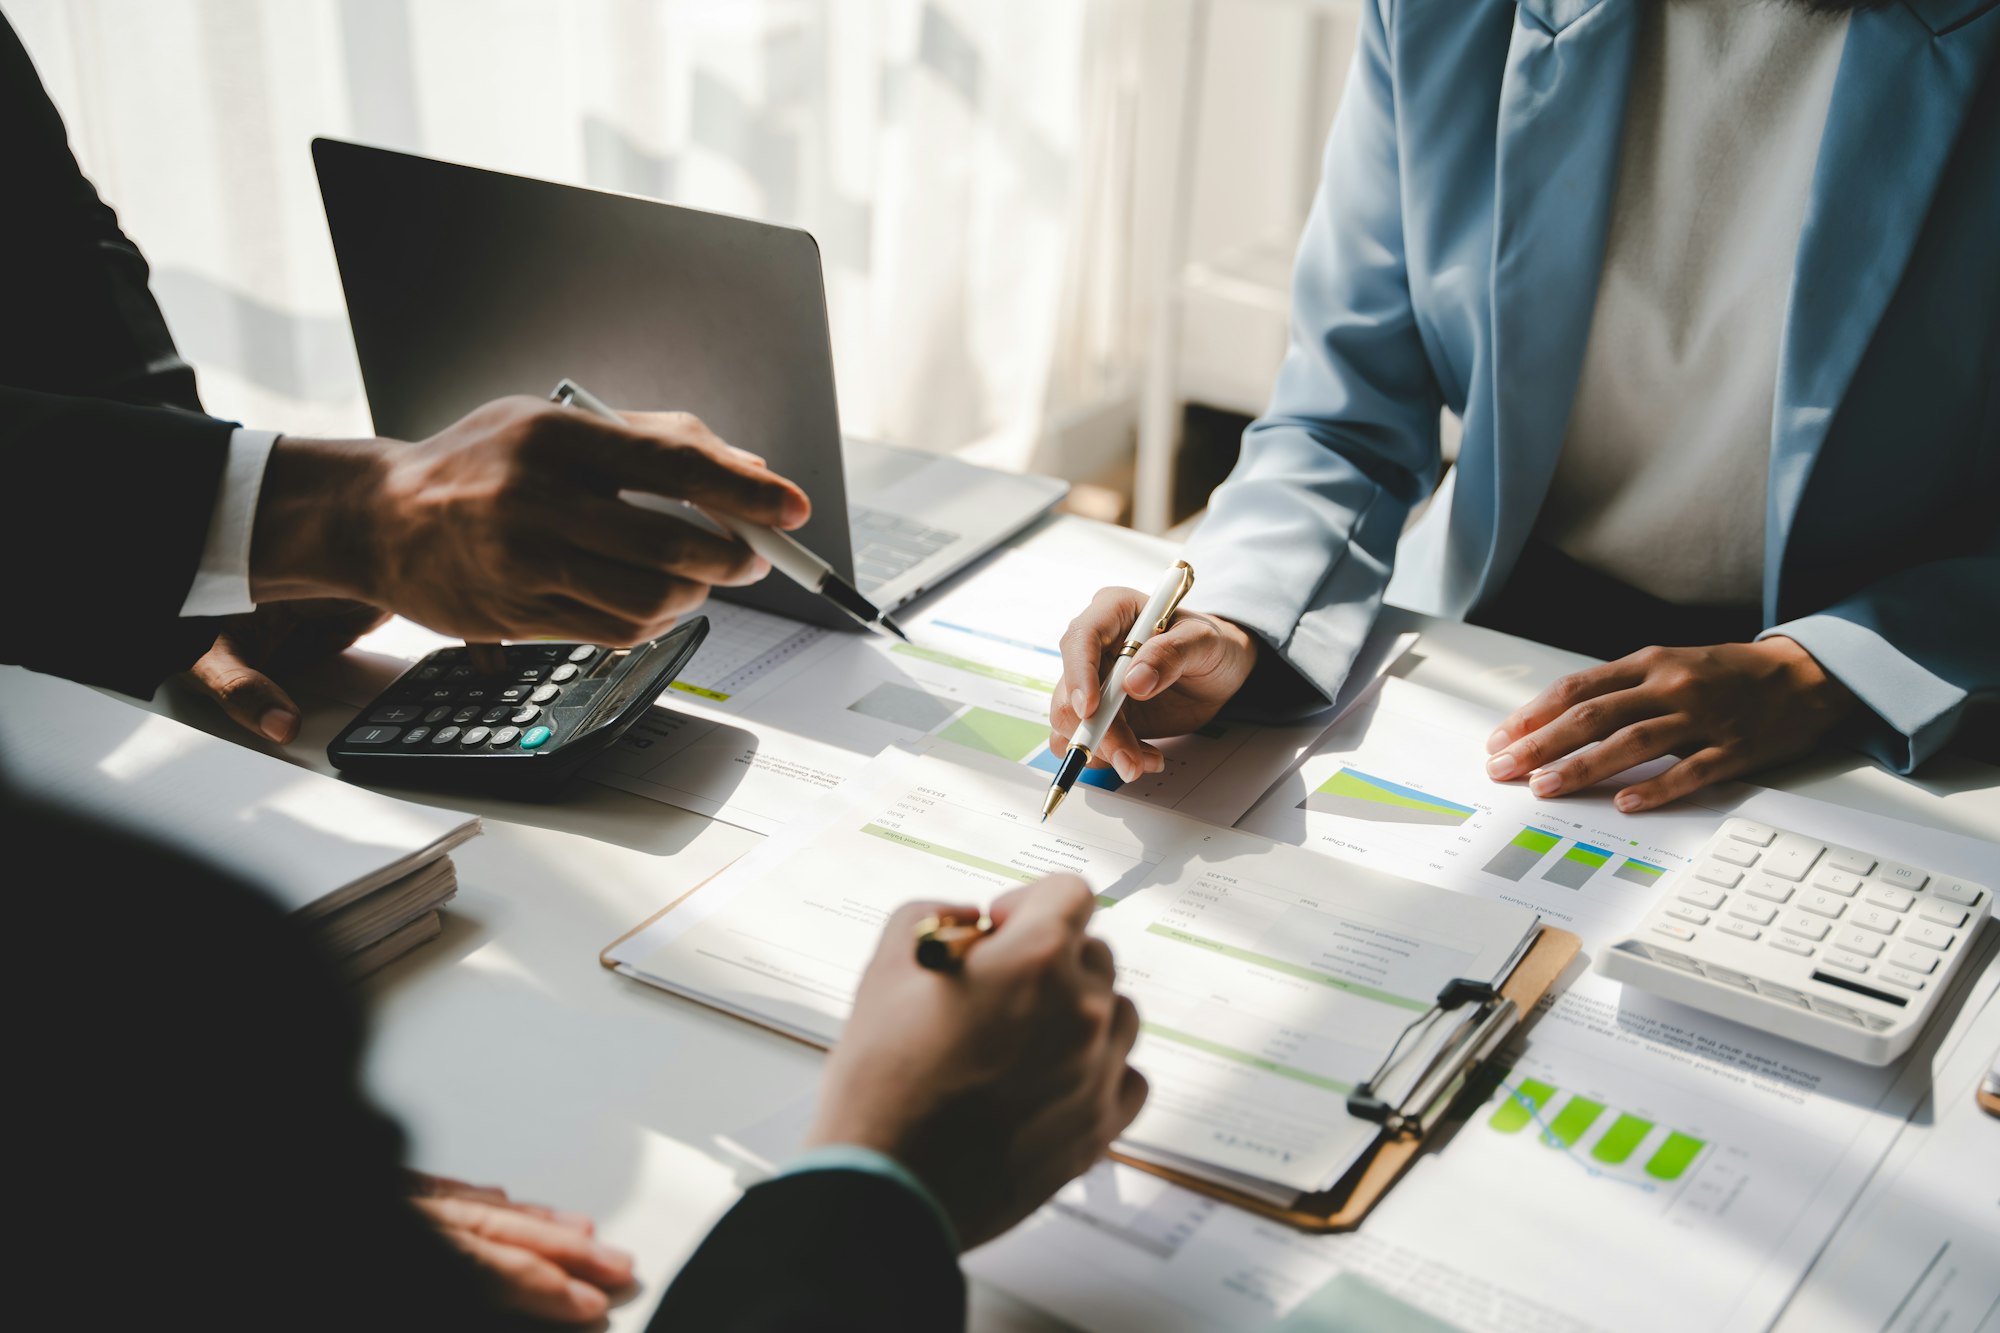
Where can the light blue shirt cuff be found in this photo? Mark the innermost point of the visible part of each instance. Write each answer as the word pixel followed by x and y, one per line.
pixel 221 584
pixel 852 1157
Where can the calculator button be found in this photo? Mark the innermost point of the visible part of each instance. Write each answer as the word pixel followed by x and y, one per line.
pixel 543 694
pixel 438 714
pixel 1883 895
pixel 442 694
pixel 1742 930
pixel 1837 881
pixel 1734 853
pixel 395 713
pixel 1943 914
pixel 1694 916
pixel 1902 876
pixel 1806 927
pixel 1666 928
pixel 475 736
pixel 1744 830
pixel 1728 978
pixel 1791 856
pixel 514 694
pixel 583 652
pixel 1859 941
pixel 478 694
pixel 505 736
pixel 1820 903
pixel 466 714
pixel 1790 945
pixel 459 673
pixel 444 735
pixel 415 734
pixel 1831 1009
pixel 1846 962
pixel 536 737
pixel 1700 897
pixel 1716 873
pixel 424 673
pixel 373 735
pixel 1876 919
pixel 1916 960
pixel 1852 863
pixel 1958 891
pixel 531 674
pixel 524 714
pixel 1770 890
pixel 564 672
pixel 1902 976
pixel 1931 937
pixel 1755 913
pixel 494 714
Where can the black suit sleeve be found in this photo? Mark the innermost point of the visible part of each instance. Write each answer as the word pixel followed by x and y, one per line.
pixel 820 1252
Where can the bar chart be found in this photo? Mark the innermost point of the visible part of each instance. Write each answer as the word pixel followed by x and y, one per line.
pixel 1522 853
pixel 1606 1141
pixel 1574 867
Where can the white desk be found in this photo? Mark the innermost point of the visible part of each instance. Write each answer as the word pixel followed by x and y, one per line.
pixel 514 1059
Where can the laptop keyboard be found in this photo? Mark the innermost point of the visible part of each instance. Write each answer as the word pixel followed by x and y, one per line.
pixel 886 545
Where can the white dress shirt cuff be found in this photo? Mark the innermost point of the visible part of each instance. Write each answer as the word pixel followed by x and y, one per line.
pixel 222 582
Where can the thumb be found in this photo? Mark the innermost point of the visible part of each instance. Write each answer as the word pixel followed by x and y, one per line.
pixel 245 693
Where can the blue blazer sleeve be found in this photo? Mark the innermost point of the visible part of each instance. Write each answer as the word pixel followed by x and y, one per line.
pixel 1299 541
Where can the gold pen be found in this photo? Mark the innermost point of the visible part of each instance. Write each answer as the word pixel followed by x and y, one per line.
pixel 1154 619
pixel 942 943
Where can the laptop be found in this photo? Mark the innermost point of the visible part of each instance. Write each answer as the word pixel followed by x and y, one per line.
pixel 466 285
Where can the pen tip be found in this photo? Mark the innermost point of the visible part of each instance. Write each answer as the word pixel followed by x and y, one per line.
pixel 890 625
pixel 1051 801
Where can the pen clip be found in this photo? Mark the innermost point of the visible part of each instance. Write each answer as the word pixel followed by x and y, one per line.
pixel 1180 594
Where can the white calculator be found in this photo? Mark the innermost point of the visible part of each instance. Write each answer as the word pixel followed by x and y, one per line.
pixel 1825 945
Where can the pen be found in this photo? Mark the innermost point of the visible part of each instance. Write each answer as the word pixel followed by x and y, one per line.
pixel 1159 610
pixel 784 551
pixel 942 944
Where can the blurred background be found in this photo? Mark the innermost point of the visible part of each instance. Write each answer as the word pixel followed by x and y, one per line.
pixel 1057 233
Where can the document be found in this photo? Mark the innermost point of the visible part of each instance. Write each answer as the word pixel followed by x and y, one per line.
pixel 1267 988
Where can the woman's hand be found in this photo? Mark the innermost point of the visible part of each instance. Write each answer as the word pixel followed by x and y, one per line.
pixel 1726 710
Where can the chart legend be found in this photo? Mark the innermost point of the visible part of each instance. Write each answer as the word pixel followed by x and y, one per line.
pixel 1357 795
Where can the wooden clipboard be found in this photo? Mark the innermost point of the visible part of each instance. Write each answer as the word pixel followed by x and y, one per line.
pixel 1342 1207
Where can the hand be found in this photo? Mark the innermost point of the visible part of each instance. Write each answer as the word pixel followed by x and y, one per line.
pixel 277 637
pixel 1728 710
pixel 542 1262
pixel 1000 1083
pixel 1178 680
pixel 508 524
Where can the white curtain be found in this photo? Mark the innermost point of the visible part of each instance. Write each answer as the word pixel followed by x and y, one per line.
pixel 968 167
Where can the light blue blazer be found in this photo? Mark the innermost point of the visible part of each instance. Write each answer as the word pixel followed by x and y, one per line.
pixel 1451 260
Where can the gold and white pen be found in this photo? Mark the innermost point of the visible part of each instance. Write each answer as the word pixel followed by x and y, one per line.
pixel 1158 613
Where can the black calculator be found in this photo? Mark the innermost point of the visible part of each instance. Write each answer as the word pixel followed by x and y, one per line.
pixel 523 732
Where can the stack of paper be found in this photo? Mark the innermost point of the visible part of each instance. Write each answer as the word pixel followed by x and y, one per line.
pixel 366 871
pixel 1268 986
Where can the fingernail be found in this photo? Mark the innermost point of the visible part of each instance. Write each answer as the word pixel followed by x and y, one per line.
pixel 1545 784
pixel 279 725
pixel 1140 681
pixel 611 1256
pixel 1499 740
pixel 1156 763
pixel 1502 766
pixel 796 510
pixel 1627 802
pixel 1123 768
pixel 1076 700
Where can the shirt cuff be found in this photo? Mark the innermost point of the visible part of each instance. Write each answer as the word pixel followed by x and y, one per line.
pixel 222 580
pixel 852 1157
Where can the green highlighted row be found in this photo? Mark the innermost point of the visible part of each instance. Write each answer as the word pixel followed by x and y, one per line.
pixel 1193 1042
pixel 1290 969
pixel 948 853
pixel 975 668
pixel 1524 1101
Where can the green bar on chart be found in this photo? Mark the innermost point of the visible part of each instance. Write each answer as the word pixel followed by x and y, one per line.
pixel 1625 1134
pixel 1674 1157
pixel 1573 1121
pixel 1635 871
pixel 1519 856
pixel 1523 1100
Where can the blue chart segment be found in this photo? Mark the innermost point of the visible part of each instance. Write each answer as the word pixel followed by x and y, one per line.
pixel 1091 777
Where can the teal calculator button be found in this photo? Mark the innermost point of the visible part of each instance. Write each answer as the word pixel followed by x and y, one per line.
pixel 535 737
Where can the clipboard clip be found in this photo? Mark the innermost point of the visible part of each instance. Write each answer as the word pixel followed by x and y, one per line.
pixel 1450 1067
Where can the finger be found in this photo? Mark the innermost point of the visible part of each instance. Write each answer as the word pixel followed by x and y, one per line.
pixel 570 1249
pixel 1700 769
pixel 1097 959
pixel 1035 921
pixel 1123 751
pixel 1132 1091
pixel 1648 738
pixel 646 539
pixel 560 617
pixel 1565 694
pixel 675 454
pixel 487 658
pixel 245 693
pixel 1124 1031
pixel 1089 637
pixel 1189 645
pixel 529 1284
pixel 1590 719
pixel 642 596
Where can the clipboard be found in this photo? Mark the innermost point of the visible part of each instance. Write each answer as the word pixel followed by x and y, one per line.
pixel 1342 1207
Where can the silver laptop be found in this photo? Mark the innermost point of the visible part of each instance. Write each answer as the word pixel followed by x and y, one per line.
pixel 466 285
